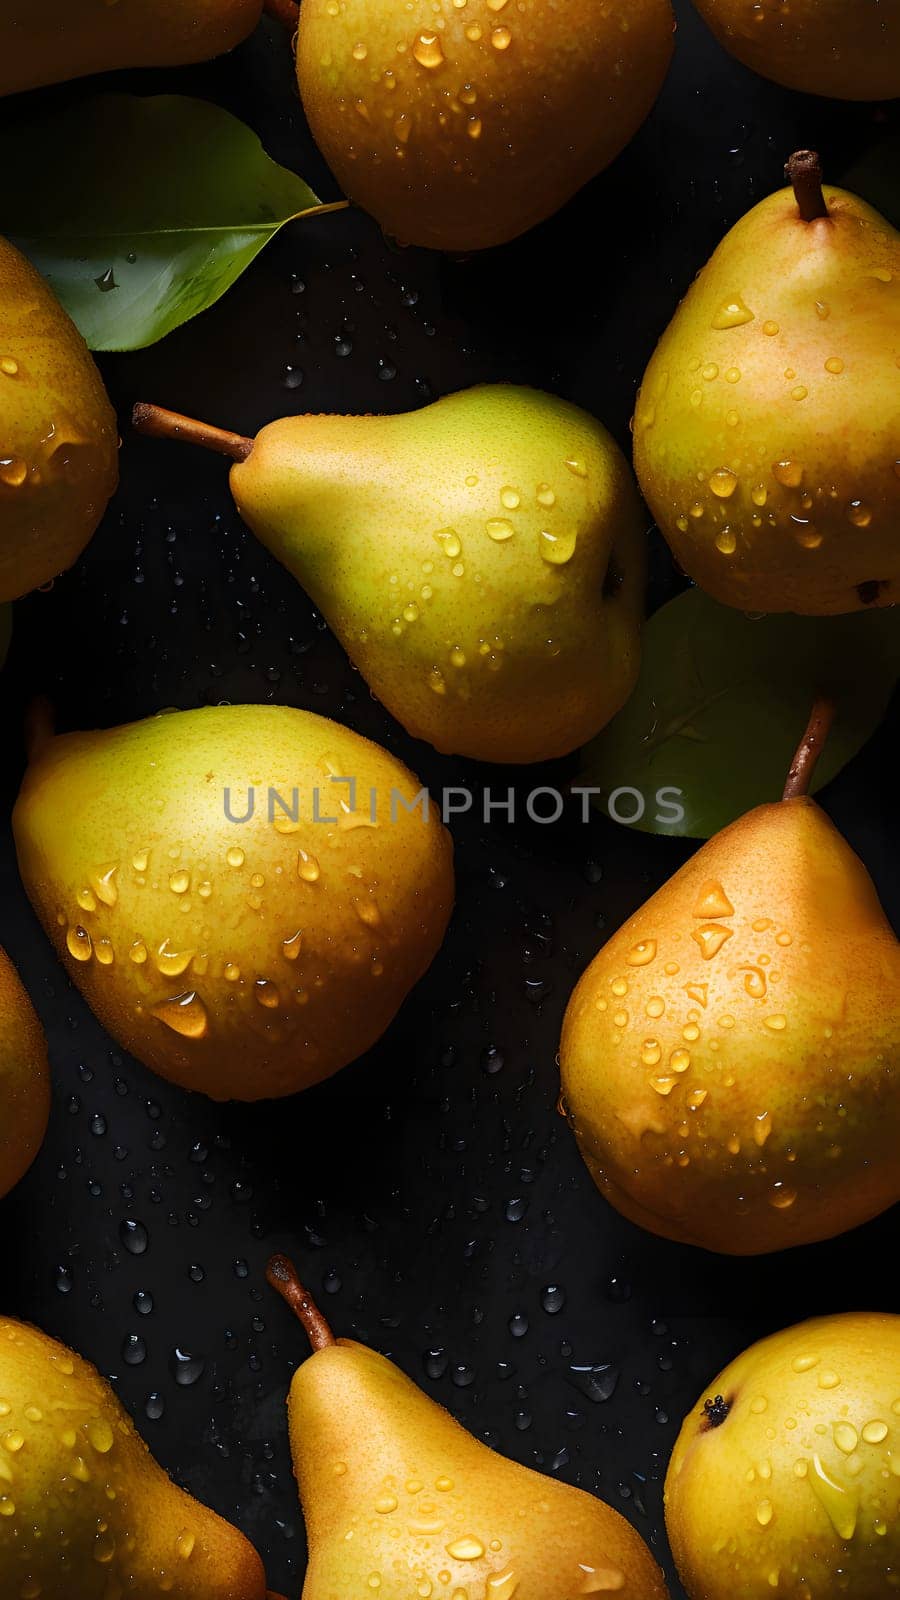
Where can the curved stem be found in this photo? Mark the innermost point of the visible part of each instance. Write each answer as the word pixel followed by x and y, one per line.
pixel 157 423
pixel 40 727
pixel 287 12
pixel 804 173
pixel 282 1275
pixel 809 749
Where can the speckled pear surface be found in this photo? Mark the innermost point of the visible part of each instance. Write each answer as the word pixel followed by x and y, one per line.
pixel 58 433
pixel 61 39
pixel 766 431
pixel 24 1078
pixel 244 959
pixel 784 1477
pixel 85 1511
pixel 394 1490
pixel 731 1058
pixel 481 560
pixel 846 49
pixel 460 126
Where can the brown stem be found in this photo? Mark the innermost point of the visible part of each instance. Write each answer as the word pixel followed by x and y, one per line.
pixel 157 423
pixel 286 12
pixel 40 726
pixel 282 1275
pixel 804 173
pixel 809 749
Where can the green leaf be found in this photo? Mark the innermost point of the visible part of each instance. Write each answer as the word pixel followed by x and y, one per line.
pixel 142 212
pixel 722 703
pixel 5 631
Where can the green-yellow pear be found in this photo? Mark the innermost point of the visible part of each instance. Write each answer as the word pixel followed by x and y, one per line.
pixel 56 40
pixel 481 560
pixel 244 958
pixel 767 428
pixel 398 1498
pixel 847 49
pixel 784 1478
pixel 24 1079
pixel 731 1059
pixel 58 434
pixel 461 126
pixel 85 1511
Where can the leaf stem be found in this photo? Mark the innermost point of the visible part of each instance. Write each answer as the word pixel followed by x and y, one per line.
pixel 809 749
pixel 804 173
pixel 158 423
pixel 282 1275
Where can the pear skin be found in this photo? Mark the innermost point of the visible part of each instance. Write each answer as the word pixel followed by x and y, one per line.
pixel 62 39
pixel 87 1512
pixel 58 432
pixel 826 47
pixel 429 1507
pixel 460 130
pixel 784 1476
pixel 766 429
pixel 730 1059
pixel 481 560
pixel 24 1079
pixel 245 959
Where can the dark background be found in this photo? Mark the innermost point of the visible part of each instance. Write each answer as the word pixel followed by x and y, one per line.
pixel 430 1193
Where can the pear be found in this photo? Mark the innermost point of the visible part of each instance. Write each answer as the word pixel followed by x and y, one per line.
pixel 849 52
pixel 58 435
pixel 766 429
pixel 481 560
pixel 784 1477
pixel 86 1511
pixel 460 127
pixel 24 1079
pixel 731 1059
pixel 244 958
pixel 394 1490
pixel 62 39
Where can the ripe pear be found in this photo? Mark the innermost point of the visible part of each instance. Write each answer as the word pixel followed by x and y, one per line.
pixel 58 434
pixel 24 1079
pixel 731 1059
pixel 86 1511
pixel 767 426
pixel 481 560
pixel 244 958
pixel 394 1489
pixel 460 127
pixel 784 1477
pixel 827 47
pixel 62 39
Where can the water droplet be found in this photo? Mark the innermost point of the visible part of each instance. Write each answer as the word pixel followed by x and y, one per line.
pixel 859 514
pixel 13 472
pixel 576 466
pixel 180 882
pixel 777 1023
pixel 134 1236
pixel 601 1580
pixel 290 948
pixel 642 954
pixel 845 1437
pixel 499 529
pixel 503 1585
pixel 428 51
pixel 875 1432
pixel 100 1435
pixel 725 542
pixel 732 313
pixel 79 943
pixel 466 1549
pixel 762 1128
pixel 764 1513
pixel 9 366
pixel 103 883
pixel 185 1368
pixel 558 548
pixel 172 963
pixel 385 1504
pixel 448 540
pixel 185 1014
pixel 710 939
pixel 782 1198
pixel 545 496
pixel 723 483
pixel 770 329
pixel 834 364
pixel 266 994
pixel 501 38
pixel 307 867
pixel 235 856
pixel 839 1503
pixel 134 1350
pixel 510 498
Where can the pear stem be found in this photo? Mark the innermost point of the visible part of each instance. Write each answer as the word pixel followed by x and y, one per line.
pixel 804 173
pixel 282 1275
pixel 157 423
pixel 809 749
pixel 286 12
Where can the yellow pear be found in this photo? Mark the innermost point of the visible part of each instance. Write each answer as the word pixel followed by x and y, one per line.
pixel 85 1511
pixel 58 434
pixel 398 1498
pixel 24 1079
pixel 244 958
pixel 462 126
pixel 767 429
pixel 784 1478
pixel 827 47
pixel 481 560
pixel 62 39
pixel 731 1059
